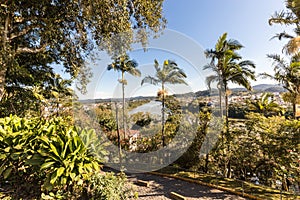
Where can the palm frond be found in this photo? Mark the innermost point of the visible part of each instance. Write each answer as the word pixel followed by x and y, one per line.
pixel 150 79
pixel 234 44
pixel 210 79
pixel 221 41
pixel 283 17
pixel 134 72
pixel 156 65
pixel 282 35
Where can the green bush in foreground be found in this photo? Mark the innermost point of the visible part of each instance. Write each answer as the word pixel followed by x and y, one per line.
pixel 52 160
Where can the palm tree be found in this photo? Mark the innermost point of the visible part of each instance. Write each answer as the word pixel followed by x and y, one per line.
pixel 228 67
pixel 287 74
pixel 290 16
pixel 124 64
pixel 265 105
pixel 223 47
pixel 169 73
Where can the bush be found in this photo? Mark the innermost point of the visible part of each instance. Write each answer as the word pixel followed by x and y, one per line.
pixel 55 157
pixel 108 187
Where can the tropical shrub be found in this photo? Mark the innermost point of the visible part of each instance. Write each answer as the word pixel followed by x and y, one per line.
pixel 109 187
pixel 60 160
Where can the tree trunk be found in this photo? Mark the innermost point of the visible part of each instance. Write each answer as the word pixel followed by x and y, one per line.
pixel 123 97
pixel 3 70
pixel 163 115
pixel 227 131
pixel 118 132
pixel 221 106
pixel 206 163
pixel 294 110
pixel 5 57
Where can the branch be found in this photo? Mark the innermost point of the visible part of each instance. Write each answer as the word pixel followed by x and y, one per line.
pixel 23 32
pixel 30 50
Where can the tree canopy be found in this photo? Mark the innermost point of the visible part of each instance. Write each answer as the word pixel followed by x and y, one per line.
pixel 37 34
pixel 289 17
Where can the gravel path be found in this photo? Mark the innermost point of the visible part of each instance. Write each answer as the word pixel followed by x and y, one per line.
pixel 160 188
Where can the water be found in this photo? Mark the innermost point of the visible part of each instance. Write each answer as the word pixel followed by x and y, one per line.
pixel 153 107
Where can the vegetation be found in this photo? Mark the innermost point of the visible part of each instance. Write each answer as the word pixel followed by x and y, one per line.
pixel 35 35
pixel 227 184
pixel 124 64
pixel 44 155
pixel 289 17
pixel 51 160
pixel 265 105
pixel 228 67
pixel 287 74
pixel 169 73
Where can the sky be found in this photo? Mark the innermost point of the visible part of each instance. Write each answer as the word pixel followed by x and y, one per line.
pixel 194 26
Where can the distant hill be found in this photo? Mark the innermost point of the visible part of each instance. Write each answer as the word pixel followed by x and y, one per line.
pixel 213 92
pixel 262 88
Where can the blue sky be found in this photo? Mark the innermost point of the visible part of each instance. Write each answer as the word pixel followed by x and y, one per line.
pixel 193 26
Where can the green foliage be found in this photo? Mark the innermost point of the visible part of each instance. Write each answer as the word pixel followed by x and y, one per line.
pixel 191 158
pixel 169 73
pixel 289 16
pixel 66 159
pixel 266 146
pixel 18 145
pixel 287 74
pixel 265 105
pixel 237 110
pixel 107 119
pixel 228 66
pixel 109 187
pixel 140 120
pixel 57 157
pixel 52 97
pixel 40 34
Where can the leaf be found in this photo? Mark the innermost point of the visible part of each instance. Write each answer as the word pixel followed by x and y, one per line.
pixel 47 165
pixel 7 172
pixel 35 160
pixel 72 175
pixel 2 156
pixel 7 149
pixel 54 150
pixel 53 178
pixel 60 171
pixel 15 155
pixel 2 168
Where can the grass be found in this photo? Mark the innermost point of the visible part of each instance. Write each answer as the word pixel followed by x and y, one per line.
pixel 259 191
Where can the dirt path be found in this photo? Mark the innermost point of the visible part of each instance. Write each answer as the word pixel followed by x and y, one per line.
pixel 160 188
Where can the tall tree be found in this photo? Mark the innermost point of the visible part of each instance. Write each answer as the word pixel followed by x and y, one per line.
pixel 124 65
pixel 169 73
pixel 35 34
pixel 289 17
pixel 287 74
pixel 228 66
pixel 223 47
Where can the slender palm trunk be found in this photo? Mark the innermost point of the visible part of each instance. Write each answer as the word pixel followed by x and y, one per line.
pixel 220 94
pixel 123 96
pixel 227 132
pixel 221 106
pixel 163 115
pixel 118 132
